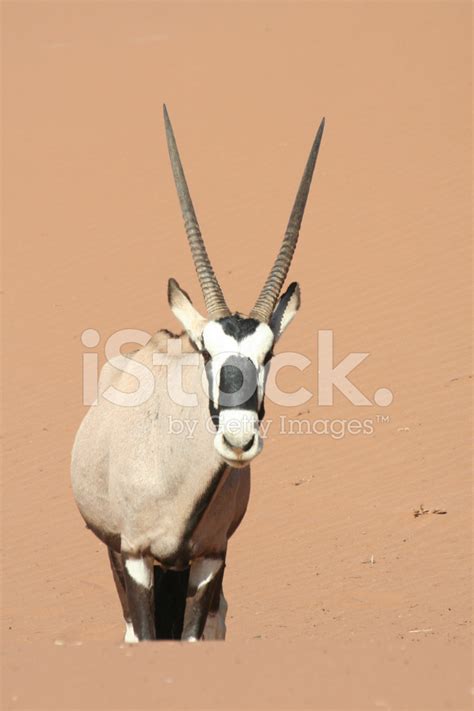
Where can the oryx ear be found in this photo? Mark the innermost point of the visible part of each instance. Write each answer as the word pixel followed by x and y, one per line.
pixel 181 306
pixel 285 310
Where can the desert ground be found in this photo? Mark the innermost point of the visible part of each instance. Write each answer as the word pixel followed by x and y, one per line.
pixel 349 582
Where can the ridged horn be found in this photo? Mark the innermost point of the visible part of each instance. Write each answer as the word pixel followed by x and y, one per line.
pixel 265 303
pixel 212 292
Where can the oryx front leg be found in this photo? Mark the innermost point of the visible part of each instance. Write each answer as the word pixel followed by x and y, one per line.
pixel 116 563
pixel 215 624
pixel 138 574
pixel 202 581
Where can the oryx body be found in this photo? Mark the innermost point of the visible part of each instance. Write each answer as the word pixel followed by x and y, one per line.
pixel 164 480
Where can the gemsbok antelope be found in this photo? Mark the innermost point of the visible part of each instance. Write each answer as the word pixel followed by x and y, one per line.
pixel 164 503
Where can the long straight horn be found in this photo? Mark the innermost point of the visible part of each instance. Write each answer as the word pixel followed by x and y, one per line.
pixel 213 296
pixel 268 296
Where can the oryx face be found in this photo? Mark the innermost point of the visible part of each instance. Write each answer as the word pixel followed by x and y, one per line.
pixel 237 349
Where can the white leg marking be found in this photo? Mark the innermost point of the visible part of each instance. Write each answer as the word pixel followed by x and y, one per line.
pixel 130 636
pixel 141 570
pixel 202 572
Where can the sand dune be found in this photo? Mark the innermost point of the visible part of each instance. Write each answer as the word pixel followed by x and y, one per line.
pixel 339 597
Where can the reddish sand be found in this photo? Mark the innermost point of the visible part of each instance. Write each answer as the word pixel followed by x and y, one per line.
pixel 339 597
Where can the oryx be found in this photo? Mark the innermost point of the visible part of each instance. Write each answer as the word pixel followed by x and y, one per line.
pixel 166 502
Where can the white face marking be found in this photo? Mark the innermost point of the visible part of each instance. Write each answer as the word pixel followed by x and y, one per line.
pixel 261 381
pixel 220 346
pixel 238 426
pixel 255 346
pixel 140 570
pixel 240 459
pixel 203 571
pixel 130 636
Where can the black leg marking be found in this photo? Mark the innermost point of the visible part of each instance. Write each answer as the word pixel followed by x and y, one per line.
pixel 170 600
pixel 201 590
pixel 119 579
pixel 138 574
pixel 215 628
pixel 216 596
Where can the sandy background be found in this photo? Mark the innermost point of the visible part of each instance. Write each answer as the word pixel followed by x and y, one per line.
pixel 92 232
